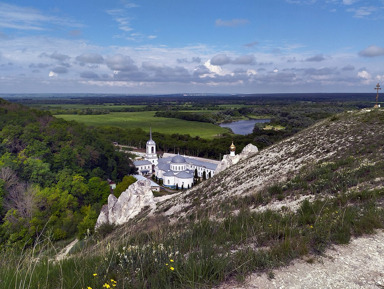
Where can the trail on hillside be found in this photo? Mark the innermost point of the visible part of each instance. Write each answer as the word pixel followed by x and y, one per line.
pixel 360 264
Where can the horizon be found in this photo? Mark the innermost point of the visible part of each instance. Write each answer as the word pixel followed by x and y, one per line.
pixel 167 47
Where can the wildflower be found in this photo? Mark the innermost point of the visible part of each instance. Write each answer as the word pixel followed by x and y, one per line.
pixel 311 226
pixel 89 287
pixel 94 274
pixel 171 261
pixel 171 268
pixel 106 285
pixel 113 281
pixel 166 264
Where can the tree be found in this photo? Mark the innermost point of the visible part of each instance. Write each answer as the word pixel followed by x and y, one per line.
pixel 123 185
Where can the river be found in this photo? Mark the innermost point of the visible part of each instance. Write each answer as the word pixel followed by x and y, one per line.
pixel 243 127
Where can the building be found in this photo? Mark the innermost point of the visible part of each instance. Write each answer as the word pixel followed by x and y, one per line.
pixel 154 186
pixel 175 171
pixel 179 171
pixel 147 166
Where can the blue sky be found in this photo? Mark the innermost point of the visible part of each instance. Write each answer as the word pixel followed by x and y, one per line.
pixel 199 46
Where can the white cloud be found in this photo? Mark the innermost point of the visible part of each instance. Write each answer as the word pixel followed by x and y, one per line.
pixel 52 74
pixel 24 18
pixel 365 76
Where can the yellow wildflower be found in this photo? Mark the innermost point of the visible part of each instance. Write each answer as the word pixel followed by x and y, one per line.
pixel 171 268
pixel 171 261
pixel 106 285
pixel 94 274
pixel 113 281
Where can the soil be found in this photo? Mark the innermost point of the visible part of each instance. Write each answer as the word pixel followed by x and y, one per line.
pixel 360 264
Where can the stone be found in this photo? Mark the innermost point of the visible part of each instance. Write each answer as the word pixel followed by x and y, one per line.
pixel 130 203
pixel 229 160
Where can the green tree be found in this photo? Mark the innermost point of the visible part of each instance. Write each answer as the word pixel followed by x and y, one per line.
pixel 123 185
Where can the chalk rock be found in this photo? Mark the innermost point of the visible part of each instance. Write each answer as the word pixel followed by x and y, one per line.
pixel 248 150
pixel 128 205
pixel 229 161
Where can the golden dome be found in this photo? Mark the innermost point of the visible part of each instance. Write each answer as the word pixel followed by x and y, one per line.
pixel 232 147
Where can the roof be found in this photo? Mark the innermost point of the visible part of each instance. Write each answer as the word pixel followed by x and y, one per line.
pixel 151 142
pixel 184 175
pixel 141 178
pixel 178 159
pixel 168 174
pixel 164 163
pixel 142 163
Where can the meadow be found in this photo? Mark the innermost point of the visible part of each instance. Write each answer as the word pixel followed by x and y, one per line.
pixel 146 119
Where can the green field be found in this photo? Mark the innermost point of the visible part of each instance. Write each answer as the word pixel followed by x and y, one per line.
pixel 145 120
pixel 108 106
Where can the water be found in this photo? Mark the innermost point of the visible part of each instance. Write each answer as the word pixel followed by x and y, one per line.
pixel 243 127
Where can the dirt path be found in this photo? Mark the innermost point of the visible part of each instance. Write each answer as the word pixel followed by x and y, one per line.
pixel 64 252
pixel 359 264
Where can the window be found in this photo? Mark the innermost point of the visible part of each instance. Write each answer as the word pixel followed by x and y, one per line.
pixel 152 149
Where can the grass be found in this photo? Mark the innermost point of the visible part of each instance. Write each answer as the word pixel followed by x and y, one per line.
pixel 109 106
pixel 203 253
pixel 146 119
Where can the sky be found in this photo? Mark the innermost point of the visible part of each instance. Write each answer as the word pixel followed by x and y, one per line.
pixel 195 46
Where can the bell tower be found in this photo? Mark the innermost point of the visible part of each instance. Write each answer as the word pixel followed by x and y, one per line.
pixel 150 154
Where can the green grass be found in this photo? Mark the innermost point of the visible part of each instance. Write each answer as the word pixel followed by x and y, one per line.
pixel 109 106
pixel 146 119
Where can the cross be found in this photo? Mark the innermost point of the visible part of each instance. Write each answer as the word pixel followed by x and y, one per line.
pixel 377 95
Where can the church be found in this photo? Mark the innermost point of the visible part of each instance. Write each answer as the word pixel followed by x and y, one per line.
pixel 175 171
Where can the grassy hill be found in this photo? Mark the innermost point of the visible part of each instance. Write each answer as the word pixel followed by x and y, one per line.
pixel 320 187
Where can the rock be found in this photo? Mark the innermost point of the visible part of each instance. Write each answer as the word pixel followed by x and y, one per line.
pixel 249 150
pixel 128 205
pixel 229 161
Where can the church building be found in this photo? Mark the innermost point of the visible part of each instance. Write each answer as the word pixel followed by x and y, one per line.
pixel 173 169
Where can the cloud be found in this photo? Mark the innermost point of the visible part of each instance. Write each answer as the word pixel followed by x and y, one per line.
pixel 93 58
pixel 244 59
pixel 223 59
pixel 349 2
pixel 348 67
pixel 121 62
pixel 372 51
pixel 251 44
pixel 316 58
pixel 362 12
pixel 185 60
pixel 39 65
pixel 124 22
pixel 60 70
pixel 25 18
pixel 365 76
pixel 89 75
pixel 231 23
pixel 220 59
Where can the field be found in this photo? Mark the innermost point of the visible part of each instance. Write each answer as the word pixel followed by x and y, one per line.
pixel 146 119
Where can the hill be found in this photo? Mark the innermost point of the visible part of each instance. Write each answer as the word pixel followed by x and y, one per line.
pixel 322 186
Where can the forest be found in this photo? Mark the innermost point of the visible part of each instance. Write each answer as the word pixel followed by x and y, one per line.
pixel 53 175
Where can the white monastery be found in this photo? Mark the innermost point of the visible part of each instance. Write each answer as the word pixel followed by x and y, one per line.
pixel 173 169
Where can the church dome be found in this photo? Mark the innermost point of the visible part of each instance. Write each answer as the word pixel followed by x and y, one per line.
pixel 232 147
pixel 151 142
pixel 178 159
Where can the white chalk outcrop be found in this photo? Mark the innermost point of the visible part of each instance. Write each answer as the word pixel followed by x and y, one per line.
pixel 229 160
pixel 130 203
